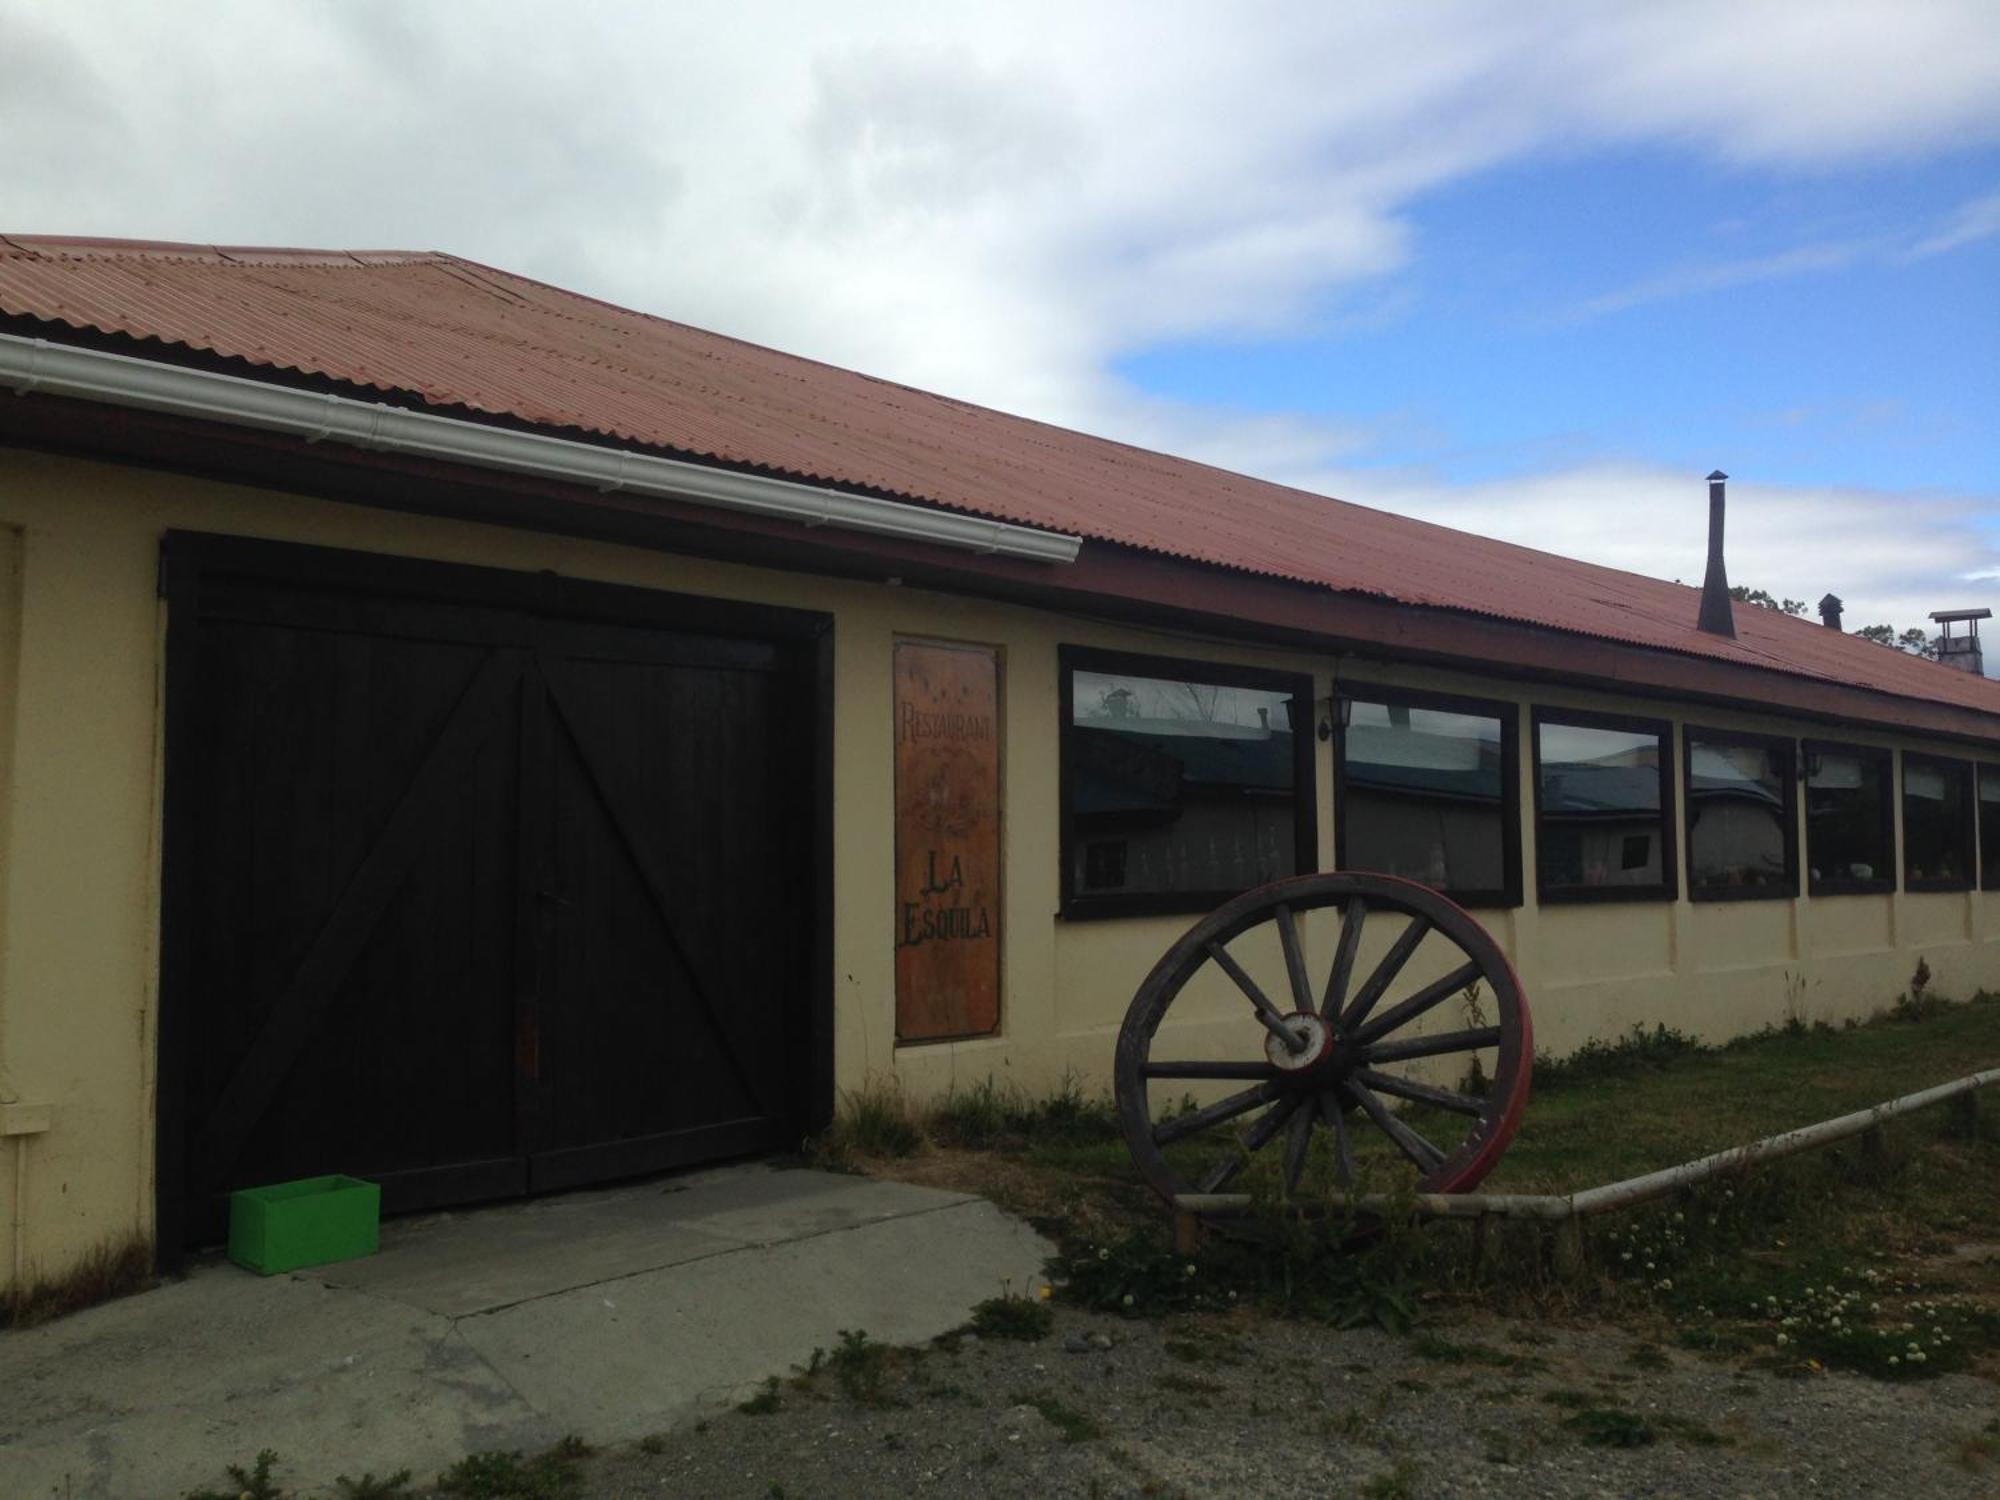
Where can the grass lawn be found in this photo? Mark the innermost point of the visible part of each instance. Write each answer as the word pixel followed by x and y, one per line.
pixel 1636 1112
pixel 1860 1255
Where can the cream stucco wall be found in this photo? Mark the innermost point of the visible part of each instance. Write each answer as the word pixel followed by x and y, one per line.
pixel 81 647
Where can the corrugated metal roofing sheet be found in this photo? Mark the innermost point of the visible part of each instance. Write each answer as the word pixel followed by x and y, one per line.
pixel 453 333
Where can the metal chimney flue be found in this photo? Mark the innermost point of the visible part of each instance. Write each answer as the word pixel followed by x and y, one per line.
pixel 1717 618
pixel 1829 611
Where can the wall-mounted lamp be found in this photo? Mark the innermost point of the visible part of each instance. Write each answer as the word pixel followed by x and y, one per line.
pixel 1330 706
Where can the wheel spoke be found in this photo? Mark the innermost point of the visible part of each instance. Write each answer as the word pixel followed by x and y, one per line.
pixel 1423 1000
pixel 1258 1136
pixel 1421 1093
pixel 1385 973
pixel 1296 1146
pixel 1343 1144
pixel 1272 1018
pixel 1295 960
pixel 1422 1154
pixel 1343 957
pixel 1188 1124
pixel 1433 1046
pixel 1218 1070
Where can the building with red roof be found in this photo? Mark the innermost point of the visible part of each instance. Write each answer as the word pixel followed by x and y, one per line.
pixel 465 734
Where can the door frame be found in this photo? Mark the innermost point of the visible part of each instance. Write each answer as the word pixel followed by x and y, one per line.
pixel 189 558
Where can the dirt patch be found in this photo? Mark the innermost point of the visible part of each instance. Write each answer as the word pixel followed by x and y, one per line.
pixel 1238 1404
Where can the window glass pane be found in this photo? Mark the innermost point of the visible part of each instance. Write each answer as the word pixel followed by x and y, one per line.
pixel 1423 796
pixel 1736 815
pixel 1989 827
pixel 1937 821
pixel 1846 831
pixel 1601 824
pixel 1179 786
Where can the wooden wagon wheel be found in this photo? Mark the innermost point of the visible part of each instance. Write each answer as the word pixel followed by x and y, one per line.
pixel 1324 1061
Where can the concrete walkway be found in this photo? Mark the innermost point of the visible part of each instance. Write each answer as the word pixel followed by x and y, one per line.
pixel 607 1314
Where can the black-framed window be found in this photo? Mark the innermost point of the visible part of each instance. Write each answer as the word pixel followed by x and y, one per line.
pixel 1850 820
pixel 1427 786
pixel 1742 822
pixel 1937 823
pixel 1183 782
pixel 1989 827
pixel 1604 804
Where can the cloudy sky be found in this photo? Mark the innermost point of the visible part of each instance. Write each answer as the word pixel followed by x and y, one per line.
pixel 1528 270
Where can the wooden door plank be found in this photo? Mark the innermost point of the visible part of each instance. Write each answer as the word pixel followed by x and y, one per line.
pixel 299 1011
pixel 537 929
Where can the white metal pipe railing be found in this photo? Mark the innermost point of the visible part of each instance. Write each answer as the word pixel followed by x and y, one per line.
pixel 1633 1190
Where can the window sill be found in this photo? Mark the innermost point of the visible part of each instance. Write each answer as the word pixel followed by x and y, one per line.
pixel 1164 904
pixel 1483 900
pixel 1601 895
pixel 1852 888
pixel 1742 893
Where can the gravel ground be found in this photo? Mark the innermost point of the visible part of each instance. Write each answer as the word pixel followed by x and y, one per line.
pixel 1246 1406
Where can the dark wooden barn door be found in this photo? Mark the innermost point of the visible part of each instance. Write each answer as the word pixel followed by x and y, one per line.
pixel 471 893
pixel 674 900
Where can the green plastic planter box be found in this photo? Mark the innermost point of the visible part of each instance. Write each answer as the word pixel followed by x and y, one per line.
pixel 310 1222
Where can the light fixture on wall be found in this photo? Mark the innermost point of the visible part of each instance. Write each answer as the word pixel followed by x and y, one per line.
pixel 1329 706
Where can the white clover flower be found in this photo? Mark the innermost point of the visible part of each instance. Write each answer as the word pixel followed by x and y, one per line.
pixel 1128 1299
pixel 1784 1338
pixel 1894 1360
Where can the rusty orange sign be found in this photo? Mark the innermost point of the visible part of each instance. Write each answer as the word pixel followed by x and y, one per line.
pixel 947 841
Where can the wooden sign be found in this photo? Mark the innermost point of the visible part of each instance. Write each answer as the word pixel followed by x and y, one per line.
pixel 947 841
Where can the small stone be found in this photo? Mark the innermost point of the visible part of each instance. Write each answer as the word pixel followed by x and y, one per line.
pixel 1076 1343
pixel 1100 1341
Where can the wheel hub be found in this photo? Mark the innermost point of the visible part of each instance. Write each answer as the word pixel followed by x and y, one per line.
pixel 1314 1053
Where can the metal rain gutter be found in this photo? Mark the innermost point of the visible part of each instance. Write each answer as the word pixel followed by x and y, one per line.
pixel 28 365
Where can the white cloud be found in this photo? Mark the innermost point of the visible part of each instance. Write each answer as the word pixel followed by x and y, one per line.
pixel 1976 220
pixel 999 201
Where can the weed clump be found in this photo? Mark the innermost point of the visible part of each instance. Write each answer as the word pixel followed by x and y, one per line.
pixel 875 1120
pixel 253 1483
pixel 1075 1426
pixel 1638 1051
pixel 552 1475
pixel 110 1269
pixel 1025 1319
pixel 390 1487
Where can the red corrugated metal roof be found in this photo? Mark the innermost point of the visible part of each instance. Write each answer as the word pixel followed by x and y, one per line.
pixel 453 333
